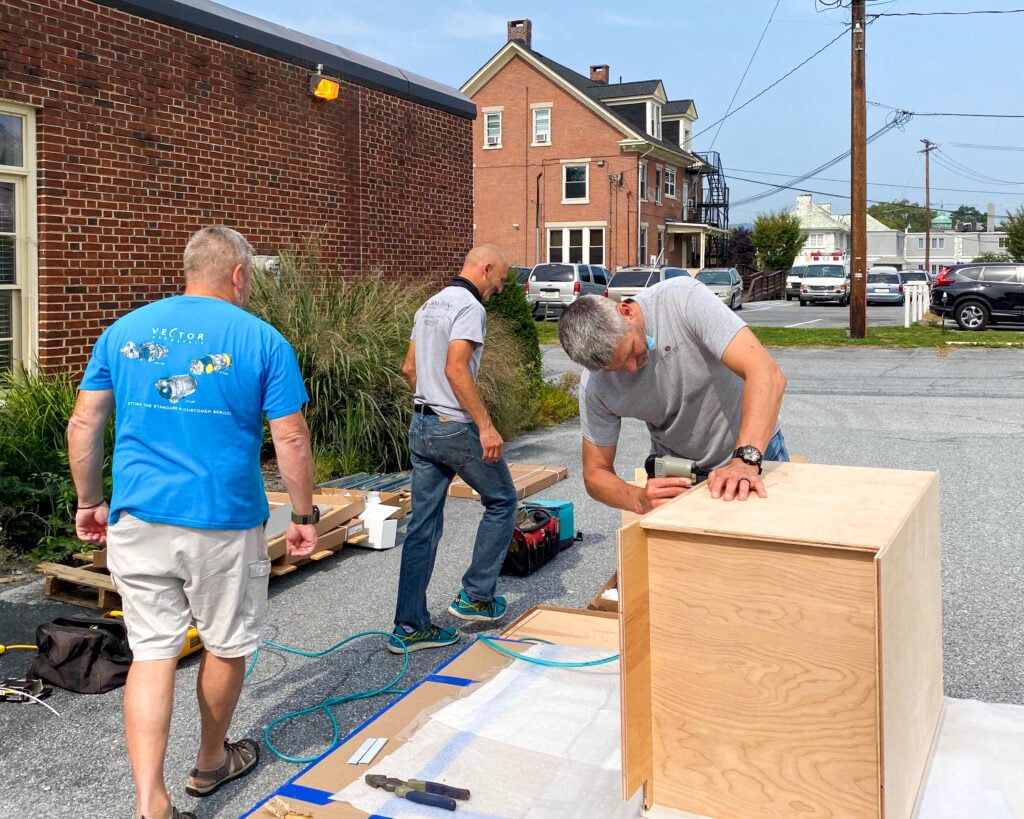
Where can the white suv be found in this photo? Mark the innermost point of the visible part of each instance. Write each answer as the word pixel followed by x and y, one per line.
pixel 554 285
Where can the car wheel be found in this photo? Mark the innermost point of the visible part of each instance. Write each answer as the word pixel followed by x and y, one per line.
pixel 971 315
pixel 789 297
pixel 844 301
pixel 803 303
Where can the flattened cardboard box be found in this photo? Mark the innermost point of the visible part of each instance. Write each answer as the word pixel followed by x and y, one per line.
pixel 527 478
pixel 334 511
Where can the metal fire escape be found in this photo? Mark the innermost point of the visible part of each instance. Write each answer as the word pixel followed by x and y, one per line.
pixel 713 208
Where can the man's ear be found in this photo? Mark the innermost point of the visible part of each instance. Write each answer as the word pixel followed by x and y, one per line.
pixel 627 309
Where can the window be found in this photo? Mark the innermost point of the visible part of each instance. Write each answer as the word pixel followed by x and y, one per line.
pixel 641 256
pixel 541 126
pixel 920 242
pixel 1002 241
pixel 684 135
pixel 578 245
pixel 17 186
pixel 643 181
pixel 670 183
pixel 999 274
pixel 654 120
pixel 938 243
pixel 657 184
pixel 816 240
pixel 574 183
pixel 492 129
pixel 661 240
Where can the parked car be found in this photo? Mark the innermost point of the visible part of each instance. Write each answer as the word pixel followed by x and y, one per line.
pixel 628 281
pixel 793 283
pixel 824 281
pixel 884 287
pixel 915 277
pixel 724 282
pixel 522 274
pixel 978 294
pixel 554 285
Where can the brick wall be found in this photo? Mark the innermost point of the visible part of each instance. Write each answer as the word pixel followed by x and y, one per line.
pixel 146 133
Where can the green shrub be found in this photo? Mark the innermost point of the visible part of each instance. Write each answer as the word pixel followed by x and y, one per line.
pixel 512 306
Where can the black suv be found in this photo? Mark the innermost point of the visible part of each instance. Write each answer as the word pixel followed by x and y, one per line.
pixel 980 293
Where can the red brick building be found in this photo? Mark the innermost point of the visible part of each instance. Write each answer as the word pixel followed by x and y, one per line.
pixel 573 168
pixel 125 126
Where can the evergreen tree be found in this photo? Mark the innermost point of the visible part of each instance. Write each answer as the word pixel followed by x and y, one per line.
pixel 777 239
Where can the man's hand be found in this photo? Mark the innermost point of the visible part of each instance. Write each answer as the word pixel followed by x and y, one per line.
pixel 91 524
pixel 735 481
pixel 300 539
pixel 661 490
pixel 491 443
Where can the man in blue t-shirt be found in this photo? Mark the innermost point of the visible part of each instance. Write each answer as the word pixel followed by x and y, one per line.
pixel 191 378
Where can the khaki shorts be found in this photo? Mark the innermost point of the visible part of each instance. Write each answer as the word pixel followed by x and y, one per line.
pixel 168 576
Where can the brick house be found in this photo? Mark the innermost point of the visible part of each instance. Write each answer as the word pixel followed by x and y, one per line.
pixel 574 168
pixel 126 125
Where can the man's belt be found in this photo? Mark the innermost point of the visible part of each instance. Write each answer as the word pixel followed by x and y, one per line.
pixel 423 409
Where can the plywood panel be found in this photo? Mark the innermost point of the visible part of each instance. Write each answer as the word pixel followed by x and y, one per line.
pixel 910 598
pixel 762 678
pixel 635 667
pixel 807 503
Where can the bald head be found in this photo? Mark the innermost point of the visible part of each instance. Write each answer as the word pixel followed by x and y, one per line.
pixel 218 263
pixel 485 267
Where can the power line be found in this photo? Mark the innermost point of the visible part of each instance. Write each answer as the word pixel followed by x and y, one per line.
pixel 945 13
pixel 944 113
pixel 730 172
pixel 986 147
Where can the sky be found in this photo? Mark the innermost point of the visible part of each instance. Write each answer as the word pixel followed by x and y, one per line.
pixel 769 103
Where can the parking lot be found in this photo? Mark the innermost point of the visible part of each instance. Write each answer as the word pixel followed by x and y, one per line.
pixel 791 314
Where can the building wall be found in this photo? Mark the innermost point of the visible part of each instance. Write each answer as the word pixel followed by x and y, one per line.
pixel 146 132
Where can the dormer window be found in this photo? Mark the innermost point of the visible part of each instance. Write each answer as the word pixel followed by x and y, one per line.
pixel 654 119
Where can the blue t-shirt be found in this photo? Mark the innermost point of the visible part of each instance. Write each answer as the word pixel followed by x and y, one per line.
pixel 192 379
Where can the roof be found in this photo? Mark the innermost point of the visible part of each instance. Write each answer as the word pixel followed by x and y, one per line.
pixel 817 218
pixel 263 37
pixel 678 107
pixel 597 94
pixel 872 222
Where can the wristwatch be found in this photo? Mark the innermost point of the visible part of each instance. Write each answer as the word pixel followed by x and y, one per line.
pixel 749 455
pixel 307 519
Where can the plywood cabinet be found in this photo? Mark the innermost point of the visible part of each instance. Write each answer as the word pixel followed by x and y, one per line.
pixel 782 657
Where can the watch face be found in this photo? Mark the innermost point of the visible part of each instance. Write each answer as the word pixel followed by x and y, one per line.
pixel 749 454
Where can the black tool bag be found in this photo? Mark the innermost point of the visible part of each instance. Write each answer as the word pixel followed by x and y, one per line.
pixel 88 655
pixel 534 542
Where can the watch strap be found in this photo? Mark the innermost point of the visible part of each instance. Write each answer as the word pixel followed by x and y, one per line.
pixel 313 517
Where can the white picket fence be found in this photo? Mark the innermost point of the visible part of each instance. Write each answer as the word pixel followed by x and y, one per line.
pixel 916 297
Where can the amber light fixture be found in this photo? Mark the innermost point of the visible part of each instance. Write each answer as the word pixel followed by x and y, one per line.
pixel 323 88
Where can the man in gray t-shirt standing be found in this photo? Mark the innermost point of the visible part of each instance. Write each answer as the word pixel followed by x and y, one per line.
pixel 452 434
pixel 679 360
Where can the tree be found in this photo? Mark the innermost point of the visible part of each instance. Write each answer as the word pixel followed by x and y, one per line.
pixel 741 253
pixel 900 215
pixel 1014 227
pixel 777 239
pixel 989 256
pixel 969 213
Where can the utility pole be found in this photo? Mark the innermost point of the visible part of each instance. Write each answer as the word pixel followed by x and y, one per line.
pixel 858 176
pixel 929 146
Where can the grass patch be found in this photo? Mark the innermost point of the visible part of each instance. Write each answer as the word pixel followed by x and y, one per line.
pixel 547 332
pixel 917 335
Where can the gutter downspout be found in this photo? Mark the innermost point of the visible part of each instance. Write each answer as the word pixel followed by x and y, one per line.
pixel 536 220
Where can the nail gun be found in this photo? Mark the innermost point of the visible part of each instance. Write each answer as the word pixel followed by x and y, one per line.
pixel 669 466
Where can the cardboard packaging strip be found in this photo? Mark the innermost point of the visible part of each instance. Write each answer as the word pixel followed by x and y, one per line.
pixel 527 478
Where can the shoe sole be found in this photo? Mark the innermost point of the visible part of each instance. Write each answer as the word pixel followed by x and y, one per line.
pixel 214 788
pixel 476 617
pixel 417 646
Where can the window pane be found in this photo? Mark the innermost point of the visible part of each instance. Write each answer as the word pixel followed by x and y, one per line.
pixel 11 140
pixel 596 246
pixel 576 246
pixel 542 122
pixel 6 207
pixel 6 331
pixel 7 268
pixel 554 246
pixel 575 181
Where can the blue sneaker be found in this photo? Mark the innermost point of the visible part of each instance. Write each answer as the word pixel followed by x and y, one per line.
pixel 466 609
pixel 414 639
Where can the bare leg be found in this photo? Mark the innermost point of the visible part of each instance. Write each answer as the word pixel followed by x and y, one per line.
pixel 148 701
pixel 218 688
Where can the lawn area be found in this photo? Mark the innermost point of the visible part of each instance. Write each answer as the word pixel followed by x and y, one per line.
pixel 919 335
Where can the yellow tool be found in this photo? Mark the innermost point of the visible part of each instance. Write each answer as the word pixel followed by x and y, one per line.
pixel 193 642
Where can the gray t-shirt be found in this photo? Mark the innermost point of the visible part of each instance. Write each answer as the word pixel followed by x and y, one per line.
pixel 688 398
pixel 453 313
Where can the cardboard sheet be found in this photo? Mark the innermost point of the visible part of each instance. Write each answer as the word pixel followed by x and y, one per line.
pixel 527 478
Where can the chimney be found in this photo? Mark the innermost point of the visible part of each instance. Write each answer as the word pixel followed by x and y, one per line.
pixel 520 31
pixel 803 202
pixel 599 74
pixel 826 206
pixel 990 222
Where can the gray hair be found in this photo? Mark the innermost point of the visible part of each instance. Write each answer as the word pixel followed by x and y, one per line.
pixel 589 329
pixel 212 253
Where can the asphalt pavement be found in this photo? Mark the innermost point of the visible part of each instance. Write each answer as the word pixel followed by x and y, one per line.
pixel 958 412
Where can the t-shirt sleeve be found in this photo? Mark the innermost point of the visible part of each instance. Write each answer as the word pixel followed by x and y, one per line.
pixel 97 372
pixel 284 391
pixel 598 425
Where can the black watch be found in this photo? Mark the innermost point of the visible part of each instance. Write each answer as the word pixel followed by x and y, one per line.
pixel 307 519
pixel 750 455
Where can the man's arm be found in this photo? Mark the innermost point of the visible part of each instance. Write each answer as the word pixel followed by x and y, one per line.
pixel 85 457
pixel 763 386
pixel 460 377
pixel 409 366
pixel 295 463
pixel 605 486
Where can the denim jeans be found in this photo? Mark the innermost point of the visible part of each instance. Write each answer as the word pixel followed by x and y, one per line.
pixel 776 449
pixel 440 451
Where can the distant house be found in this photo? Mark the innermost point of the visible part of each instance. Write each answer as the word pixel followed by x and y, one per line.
pixel 125 125
pixel 574 168
pixel 823 233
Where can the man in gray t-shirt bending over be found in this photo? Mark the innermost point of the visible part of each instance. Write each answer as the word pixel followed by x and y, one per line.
pixel 679 360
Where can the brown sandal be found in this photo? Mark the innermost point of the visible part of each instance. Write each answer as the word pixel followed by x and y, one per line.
pixel 242 757
pixel 179 814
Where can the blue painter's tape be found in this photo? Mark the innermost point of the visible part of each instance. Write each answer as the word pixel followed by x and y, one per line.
pixel 446 680
pixel 314 796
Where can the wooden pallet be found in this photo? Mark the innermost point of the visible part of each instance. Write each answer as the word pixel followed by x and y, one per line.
pixel 89 586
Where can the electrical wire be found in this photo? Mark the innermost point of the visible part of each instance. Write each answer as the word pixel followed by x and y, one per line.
pixel 944 160
pixel 945 13
pixel 26 695
pixel 4 649
pixel 487 641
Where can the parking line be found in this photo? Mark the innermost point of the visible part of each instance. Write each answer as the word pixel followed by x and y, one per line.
pixel 802 323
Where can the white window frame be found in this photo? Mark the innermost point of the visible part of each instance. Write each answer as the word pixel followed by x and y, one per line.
pixel 1002 242
pixel 576 163
pixel 643 181
pixel 816 240
pixel 661 240
pixel 492 140
pixel 24 336
pixel 562 230
pixel 654 119
pixel 641 256
pixel 938 242
pixel 541 134
pixel 658 176
pixel 685 130
pixel 670 182
pixel 920 242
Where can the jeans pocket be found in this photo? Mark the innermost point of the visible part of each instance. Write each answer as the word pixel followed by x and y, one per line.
pixel 454 444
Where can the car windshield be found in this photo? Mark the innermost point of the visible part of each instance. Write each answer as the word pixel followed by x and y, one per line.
pixel 824 271
pixel 883 278
pixel 915 276
pixel 552 273
pixel 713 276
pixel 675 272
pixel 631 278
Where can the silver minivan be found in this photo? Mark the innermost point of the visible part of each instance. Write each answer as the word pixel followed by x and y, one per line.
pixel 554 285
